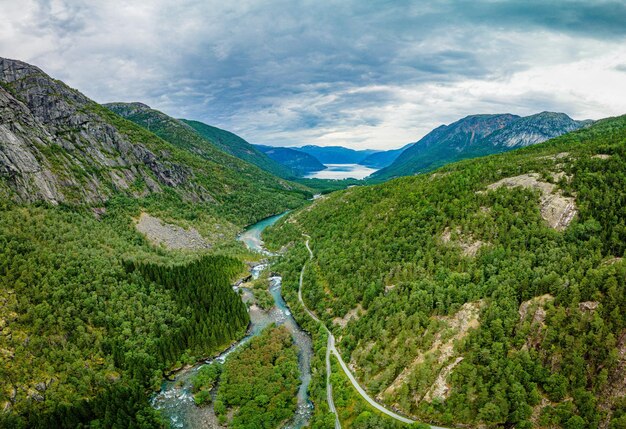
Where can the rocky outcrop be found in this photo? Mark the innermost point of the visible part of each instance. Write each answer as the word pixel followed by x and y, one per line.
pixel 557 209
pixel 534 129
pixel 468 245
pixel 168 235
pixel 442 354
pixel 57 146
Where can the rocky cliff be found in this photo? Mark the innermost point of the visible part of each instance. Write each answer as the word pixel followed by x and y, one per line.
pixel 57 145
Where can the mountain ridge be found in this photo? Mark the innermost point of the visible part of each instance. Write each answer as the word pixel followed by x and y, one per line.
pixel 477 135
pixel 301 162
pixel 237 146
pixel 336 154
pixel 59 146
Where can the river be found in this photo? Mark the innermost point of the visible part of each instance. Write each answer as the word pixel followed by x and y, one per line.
pixel 175 400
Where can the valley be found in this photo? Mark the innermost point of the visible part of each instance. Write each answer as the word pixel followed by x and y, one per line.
pixel 176 400
pixel 161 272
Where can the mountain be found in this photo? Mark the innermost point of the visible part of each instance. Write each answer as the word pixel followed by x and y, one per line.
pixel 384 158
pixel 533 129
pixel 300 162
pixel 112 264
pixel 336 154
pixel 244 185
pixel 489 293
pixel 477 135
pixel 59 146
pixel 236 146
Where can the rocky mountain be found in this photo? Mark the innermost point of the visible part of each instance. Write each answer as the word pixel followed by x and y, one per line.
pixel 477 135
pixel 384 158
pixel 300 162
pixel 336 154
pixel 56 145
pixel 533 129
pixel 237 146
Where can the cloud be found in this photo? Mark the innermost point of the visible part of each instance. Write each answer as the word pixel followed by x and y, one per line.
pixel 362 74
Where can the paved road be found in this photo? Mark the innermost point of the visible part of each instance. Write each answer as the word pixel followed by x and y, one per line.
pixel 329 345
pixel 330 348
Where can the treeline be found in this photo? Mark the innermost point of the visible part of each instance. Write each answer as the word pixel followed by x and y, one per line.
pixel 122 405
pixel 400 250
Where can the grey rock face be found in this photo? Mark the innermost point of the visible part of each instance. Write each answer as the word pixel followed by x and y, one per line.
pixel 478 135
pixel 534 129
pixel 55 146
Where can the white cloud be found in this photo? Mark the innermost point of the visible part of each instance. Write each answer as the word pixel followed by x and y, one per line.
pixel 360 74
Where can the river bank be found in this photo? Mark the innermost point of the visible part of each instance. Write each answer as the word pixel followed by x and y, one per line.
pixel 175 399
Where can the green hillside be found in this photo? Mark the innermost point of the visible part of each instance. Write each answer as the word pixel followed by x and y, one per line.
pixel 236 146
pixel 117 253
pixel 300 162
pixel 490 292
pixel 247 192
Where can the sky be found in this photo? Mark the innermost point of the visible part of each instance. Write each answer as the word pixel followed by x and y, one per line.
pixel 361 74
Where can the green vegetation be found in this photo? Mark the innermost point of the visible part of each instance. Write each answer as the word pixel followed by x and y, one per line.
pixel 204 381
pixel 236 146
pixel 547 346
pixel 325 186
pixel 354 411
pixel 92 315
pixel 260 382
pixel 260 289
pixel 238 191
pixel 350 401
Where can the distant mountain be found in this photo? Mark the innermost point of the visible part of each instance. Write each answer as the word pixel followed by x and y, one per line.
pixel 300 162
pixel 336 154
pixel 384 158
pixel 534 129
pixel 237 146
pixel 477 135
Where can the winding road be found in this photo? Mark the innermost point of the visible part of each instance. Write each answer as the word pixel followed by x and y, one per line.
pixel 330 348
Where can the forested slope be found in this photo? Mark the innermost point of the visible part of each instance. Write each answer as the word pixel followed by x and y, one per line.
pixel 236 146
pixel 91 313
pixel 492 291
pixel 238 187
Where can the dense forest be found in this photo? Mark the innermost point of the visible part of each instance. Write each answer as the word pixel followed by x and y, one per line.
pixel 459 300
pixel 92 315
pixel 259 382
pixel 352 408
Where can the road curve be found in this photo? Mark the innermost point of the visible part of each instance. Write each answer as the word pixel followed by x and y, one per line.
pixel 329 344
pixel 330 348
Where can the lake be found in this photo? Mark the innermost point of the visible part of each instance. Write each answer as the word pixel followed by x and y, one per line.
pixel 342 171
